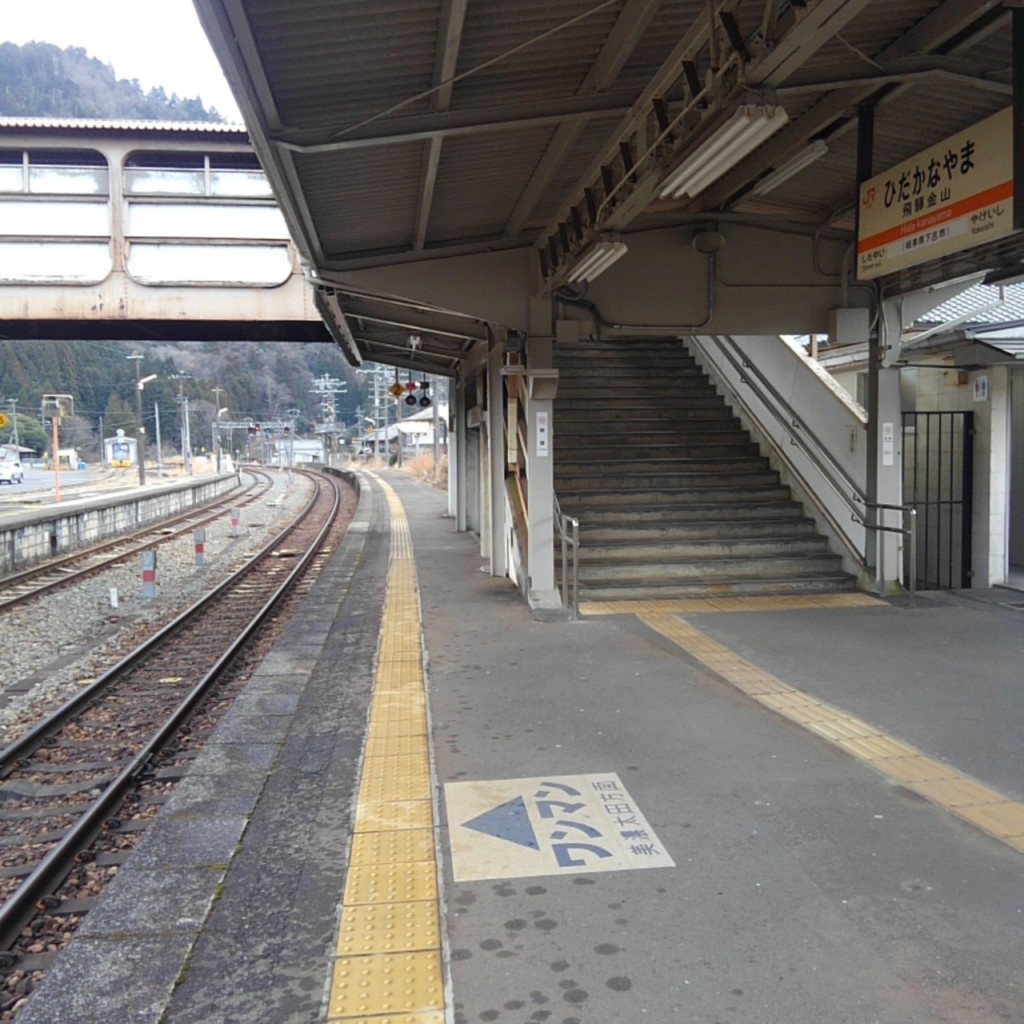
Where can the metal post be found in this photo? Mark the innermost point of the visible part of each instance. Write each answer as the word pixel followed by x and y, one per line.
pixel 56 457
pixel 216 426
pixel 575 567
pixel 437 427
pixel 913 555
pixel 159 457
pixel 188 441
pixel 148 575
pixel 560 522
pixel 140 436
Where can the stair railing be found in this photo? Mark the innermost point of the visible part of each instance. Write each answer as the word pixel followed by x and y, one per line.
pixel 800 435
pixel 569 533
pixel 908 530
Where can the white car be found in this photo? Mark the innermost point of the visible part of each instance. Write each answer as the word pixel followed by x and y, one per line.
pixel 11 471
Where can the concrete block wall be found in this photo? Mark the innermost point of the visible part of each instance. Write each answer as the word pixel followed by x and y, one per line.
pixel 32 537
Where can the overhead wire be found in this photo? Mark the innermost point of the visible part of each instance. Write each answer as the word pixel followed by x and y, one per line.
pixel 455 79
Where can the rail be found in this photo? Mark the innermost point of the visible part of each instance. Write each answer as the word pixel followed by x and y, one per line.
pixel 569 533
pixel 55 864
pixel 909 514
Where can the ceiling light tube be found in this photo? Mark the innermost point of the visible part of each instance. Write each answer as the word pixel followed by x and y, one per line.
pixel 723 150
pixel 596 260
pixel 794 165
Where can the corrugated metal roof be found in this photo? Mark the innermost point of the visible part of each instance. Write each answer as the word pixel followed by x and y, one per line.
pixel 399 130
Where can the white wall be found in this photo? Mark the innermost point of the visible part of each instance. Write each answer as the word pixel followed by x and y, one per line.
pixel 947 390
pixel 826 412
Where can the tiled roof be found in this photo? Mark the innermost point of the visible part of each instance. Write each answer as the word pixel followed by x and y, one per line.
pixel 85 124
pixel 982 304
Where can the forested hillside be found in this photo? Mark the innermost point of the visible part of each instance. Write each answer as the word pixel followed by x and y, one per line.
pixel 42 80
pixel 258 381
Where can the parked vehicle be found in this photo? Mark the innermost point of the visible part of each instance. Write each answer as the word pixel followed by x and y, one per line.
pixel 11 471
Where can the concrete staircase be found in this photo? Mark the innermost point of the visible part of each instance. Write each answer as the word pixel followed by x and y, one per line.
pixel 673 498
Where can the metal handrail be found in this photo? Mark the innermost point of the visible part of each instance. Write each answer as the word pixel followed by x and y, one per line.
pixel 907 531
pixel 837 477
pixel 569 532
pixel 842 484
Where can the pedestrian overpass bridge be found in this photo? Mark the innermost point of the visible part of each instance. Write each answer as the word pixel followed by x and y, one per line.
pixel 144 230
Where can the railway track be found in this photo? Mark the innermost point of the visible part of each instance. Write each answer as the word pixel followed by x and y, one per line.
pixel 91 773
pixel 30 583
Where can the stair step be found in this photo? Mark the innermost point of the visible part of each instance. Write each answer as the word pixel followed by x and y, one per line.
pixel 617 388
pixel 722 530
pixel 607 437
pixel 632 484
pixel 637 552
pixel 586 417
pixel 669 498
pixel 739 586
pixel 595 455
pixel 727 517
pixel 614 396
pixel 673 497
pixel 707 570
pixel 610 471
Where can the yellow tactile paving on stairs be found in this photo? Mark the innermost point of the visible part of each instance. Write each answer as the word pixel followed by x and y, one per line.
pixel 971 801
pixel 387 967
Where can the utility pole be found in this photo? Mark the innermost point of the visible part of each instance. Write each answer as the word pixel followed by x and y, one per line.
pixel 327 387
pixel 14 423
pixel 186 436
pixel 216 426
pixel 159 443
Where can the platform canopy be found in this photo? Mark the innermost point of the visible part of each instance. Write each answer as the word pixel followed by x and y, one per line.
pixel 400 133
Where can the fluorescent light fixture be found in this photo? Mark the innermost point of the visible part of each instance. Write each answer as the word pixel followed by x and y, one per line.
pixel 794 165
pixel 740 135
pixel 597 259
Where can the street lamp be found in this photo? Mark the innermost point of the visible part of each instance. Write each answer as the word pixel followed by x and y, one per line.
pixel 217 446
pixel 141 437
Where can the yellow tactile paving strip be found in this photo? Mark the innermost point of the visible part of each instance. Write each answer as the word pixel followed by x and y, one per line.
pixel 702 605
pixel 980 806
pixel 387 967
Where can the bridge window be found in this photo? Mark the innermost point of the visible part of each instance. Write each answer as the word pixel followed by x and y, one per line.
pixel 55 172
pixel 218 175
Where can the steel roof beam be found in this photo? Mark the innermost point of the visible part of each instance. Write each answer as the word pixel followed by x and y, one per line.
pixel 808 35
pixel 634 19
pixel 944 23
pixel 506 117
pixel 414 326
pixel 658 87
pixel 453 19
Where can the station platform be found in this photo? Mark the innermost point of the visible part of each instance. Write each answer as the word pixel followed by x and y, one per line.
pixel 429 807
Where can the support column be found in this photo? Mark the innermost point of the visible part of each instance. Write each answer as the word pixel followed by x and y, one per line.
pixel 458 464
pixel 885 451
pixel 542 593
pixel 496 456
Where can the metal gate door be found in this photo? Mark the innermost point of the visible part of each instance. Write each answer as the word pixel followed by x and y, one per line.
pixel 938 469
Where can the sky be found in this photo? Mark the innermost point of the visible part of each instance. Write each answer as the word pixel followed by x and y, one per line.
pixel 158 42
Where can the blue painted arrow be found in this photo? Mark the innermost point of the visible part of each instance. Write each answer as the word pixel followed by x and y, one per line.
pixel 509 822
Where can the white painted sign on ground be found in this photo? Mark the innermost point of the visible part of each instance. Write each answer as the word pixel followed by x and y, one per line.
pixel 552 825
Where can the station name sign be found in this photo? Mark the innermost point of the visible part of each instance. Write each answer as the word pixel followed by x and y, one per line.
pixel 951 196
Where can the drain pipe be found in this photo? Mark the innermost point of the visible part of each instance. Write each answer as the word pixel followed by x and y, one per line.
pixel 707 243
